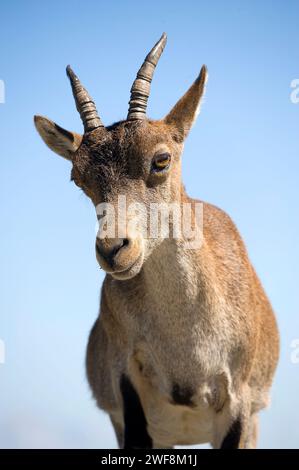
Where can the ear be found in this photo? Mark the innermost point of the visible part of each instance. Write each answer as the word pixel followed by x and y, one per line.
pixel 185 112
pixel 59 140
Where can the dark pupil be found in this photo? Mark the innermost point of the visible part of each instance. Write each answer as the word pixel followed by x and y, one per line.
pixel 162 160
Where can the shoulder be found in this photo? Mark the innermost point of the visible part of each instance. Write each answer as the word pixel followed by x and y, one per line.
pixel 219 229
pixel 215 218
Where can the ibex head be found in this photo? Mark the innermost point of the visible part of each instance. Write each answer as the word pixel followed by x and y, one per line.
pixel 137 158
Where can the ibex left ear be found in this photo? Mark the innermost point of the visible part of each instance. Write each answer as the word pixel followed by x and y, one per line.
pixel 185 112
pixel 61 141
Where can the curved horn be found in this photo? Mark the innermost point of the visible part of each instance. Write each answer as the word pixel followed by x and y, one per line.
pixel 141 87
pixel 84 103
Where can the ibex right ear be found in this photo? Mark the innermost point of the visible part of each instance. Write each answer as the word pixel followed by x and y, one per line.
pixel 59 140
pixel 184 113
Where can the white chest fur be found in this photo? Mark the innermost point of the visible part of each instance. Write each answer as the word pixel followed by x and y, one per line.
pixel 171 425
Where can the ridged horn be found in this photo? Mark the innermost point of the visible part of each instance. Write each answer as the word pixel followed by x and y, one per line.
pixel 84 103
pixel 141 87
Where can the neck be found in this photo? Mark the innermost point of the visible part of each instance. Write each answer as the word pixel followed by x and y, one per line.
pixel 180 263
pixel 172 272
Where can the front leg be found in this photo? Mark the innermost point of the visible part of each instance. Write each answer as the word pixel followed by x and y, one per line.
pixel 236 429
pixel 135 434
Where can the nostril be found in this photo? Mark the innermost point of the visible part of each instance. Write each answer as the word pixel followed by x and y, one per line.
pixel 125 242
pixel 98 250
pixel 109 255
pixel 118 247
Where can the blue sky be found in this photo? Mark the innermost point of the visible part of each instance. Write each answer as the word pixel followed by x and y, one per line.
pixel 242 155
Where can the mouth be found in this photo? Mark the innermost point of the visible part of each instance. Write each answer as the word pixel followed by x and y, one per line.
pixel 130 271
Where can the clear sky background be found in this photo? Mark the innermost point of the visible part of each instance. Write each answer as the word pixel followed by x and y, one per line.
pixel 242 155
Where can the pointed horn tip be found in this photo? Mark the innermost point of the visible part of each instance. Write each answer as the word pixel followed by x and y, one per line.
pixel 162 41
pixel 157 50
pixel 163 37
pixel 159 46
pixel 69 71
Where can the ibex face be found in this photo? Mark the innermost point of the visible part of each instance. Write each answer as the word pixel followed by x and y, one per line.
pixel 137 159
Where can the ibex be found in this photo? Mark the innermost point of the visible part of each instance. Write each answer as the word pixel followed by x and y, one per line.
pixel 186 343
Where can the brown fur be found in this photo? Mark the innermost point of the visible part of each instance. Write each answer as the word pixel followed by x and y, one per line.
pixel 192 329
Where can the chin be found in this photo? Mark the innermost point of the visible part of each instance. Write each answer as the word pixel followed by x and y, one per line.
pixel 130 272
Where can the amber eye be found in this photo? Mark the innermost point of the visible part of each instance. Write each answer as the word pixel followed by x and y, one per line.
pixel 160 162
